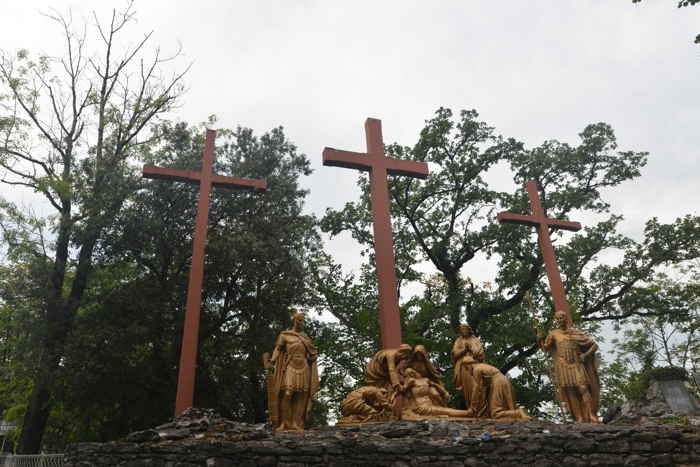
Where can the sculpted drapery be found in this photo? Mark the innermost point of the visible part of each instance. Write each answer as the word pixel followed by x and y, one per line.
pixel 365 405
pixel 427 399
pixel 383 369
pixel 492 394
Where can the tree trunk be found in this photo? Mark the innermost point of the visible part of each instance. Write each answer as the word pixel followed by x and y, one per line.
pixel 39 405
pixel 59 324
pixel 37 411
pixel 454 298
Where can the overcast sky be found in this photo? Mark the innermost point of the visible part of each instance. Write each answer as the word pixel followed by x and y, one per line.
pixel 534 70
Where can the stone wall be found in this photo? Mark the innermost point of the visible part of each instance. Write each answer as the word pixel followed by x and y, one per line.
pixel 215 442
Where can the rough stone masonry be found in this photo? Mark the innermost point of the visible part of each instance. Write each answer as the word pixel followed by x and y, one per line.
pixel 202 438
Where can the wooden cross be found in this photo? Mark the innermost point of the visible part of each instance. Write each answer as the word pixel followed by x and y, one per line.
pixel 190 333
pixel 543 223
pixel 378 167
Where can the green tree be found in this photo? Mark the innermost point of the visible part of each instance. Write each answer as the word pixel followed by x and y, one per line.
pixel 667 336
pixel 68 127
pixel 260 251
pixel 119 366
pixel 449 221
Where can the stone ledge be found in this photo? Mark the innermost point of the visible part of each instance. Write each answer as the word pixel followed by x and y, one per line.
pixel 202 438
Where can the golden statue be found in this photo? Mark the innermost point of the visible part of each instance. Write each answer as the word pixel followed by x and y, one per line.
pixel 575 372
pixel 294 379
pixel 402 383
pixel 420 362
pixel 466 350
pixel 382 369
pixel 487 392
pixel 492 394
pixel 427 399
pixel 368 404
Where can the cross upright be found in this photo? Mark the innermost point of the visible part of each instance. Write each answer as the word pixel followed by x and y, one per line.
pixel 378 165
pixel 543 223
pixel 190 333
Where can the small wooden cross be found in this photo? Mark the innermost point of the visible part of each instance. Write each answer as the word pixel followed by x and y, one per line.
pixel 543 223
pixel 190 333
pixel 378 165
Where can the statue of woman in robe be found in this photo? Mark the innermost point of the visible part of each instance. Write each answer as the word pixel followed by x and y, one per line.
pixel 421 363
pixel 492 394
pixel 466 350
pixel 383 369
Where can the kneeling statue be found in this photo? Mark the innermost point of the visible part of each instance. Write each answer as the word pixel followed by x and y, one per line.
pixel 492 394
pixel 368 404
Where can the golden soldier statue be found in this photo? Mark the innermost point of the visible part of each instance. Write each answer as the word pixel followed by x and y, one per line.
pixel 294 380
pixel 575 372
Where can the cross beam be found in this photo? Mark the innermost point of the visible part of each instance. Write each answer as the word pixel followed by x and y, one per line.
pixel 543 223
pixel 379 166
pixel 190 333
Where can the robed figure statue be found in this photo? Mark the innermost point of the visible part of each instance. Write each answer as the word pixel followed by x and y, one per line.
pixel 466 350
pixel 492 394
pixel 383 368
pixel 575 372
pixel 294 379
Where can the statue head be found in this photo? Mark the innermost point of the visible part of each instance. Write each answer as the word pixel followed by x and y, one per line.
pixel 411 373
pixel 378 398
pixel 561 319
pixel 420 349
pixel 298 321
pixel 465 330
pixel 405 351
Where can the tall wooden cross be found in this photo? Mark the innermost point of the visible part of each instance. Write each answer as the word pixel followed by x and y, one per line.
pixel 190 333
pixel 543 223
pixel 378 165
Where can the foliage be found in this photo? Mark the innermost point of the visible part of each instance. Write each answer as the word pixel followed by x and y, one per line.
pixel 667 373
pixel 119 366
pixel 648 346
pixel 68 126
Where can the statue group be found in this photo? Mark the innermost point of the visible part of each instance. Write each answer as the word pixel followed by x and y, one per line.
pixel 402 383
